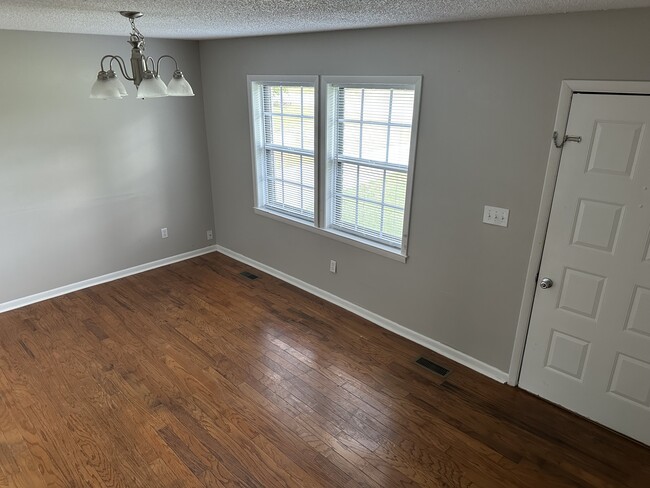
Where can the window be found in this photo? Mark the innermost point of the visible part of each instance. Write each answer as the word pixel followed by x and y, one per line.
pixel 284 144
pixel 371 134
pixel 359 190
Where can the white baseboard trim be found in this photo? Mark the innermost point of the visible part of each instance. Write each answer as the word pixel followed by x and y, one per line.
pixel 449 352
pixel 63 290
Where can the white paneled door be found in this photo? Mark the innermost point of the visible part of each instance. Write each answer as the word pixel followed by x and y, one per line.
pixel 588 346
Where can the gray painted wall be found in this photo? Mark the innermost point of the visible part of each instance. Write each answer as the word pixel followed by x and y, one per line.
pixel 489 96
pixel 86 185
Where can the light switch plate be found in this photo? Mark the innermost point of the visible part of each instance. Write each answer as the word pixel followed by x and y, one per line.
pixel 496 216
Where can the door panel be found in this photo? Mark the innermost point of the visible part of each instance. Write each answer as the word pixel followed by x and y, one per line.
pixel 588 346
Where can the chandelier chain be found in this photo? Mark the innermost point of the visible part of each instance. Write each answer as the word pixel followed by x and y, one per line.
pixel 135 29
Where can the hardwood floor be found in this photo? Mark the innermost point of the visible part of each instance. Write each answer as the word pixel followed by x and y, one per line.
pixel 194 376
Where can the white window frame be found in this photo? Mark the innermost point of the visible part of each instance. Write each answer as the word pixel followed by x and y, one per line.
pixel 328 100
pixel 324 152
pixel 255 85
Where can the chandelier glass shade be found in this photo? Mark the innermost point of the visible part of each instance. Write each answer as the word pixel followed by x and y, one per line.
pixel 145 72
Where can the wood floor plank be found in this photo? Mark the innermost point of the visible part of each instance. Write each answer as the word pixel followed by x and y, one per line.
pixel 192 375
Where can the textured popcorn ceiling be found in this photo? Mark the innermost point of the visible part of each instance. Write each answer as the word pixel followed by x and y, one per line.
pixel 205 19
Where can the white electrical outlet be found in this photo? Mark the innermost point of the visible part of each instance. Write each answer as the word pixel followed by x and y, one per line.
pixel 332 266
pixel 496 216
pixel 163 233
pixel 209 234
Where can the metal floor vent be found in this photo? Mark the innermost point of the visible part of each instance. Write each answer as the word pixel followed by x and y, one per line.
pixel 248 275
pixel 436 368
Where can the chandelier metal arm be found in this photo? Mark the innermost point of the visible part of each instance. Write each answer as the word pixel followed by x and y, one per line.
pixel 120 62
pixel 166 56
pixel 153 65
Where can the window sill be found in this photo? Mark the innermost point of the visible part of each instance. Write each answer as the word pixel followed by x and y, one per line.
pixel 373 247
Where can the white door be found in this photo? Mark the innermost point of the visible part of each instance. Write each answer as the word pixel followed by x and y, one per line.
pixel 588 347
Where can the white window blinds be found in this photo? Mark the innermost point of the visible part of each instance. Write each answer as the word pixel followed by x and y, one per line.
pixel 287 158
pixel 352 180
pixel 369 167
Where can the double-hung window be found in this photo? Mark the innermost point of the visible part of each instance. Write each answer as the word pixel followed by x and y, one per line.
pixel 283 115
pixel 370 157
pixel 357 188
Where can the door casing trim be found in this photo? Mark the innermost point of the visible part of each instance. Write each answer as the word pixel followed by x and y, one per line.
pixel 567 89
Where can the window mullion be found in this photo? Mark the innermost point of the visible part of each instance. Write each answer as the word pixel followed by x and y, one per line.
pixel 302 198
pixel 290 150
pixel 361 124
pixel 388 129
pixel 282 176
pixel 383 204
pixel 356 216
pixel 282 114
pixel 302 145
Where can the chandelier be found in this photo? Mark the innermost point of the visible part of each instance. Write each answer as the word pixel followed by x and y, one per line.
pixel 146 72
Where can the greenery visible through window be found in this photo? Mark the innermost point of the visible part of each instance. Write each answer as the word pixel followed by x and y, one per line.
pixel 373 136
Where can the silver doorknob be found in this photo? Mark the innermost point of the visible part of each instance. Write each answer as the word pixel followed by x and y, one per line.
pixel 545 283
